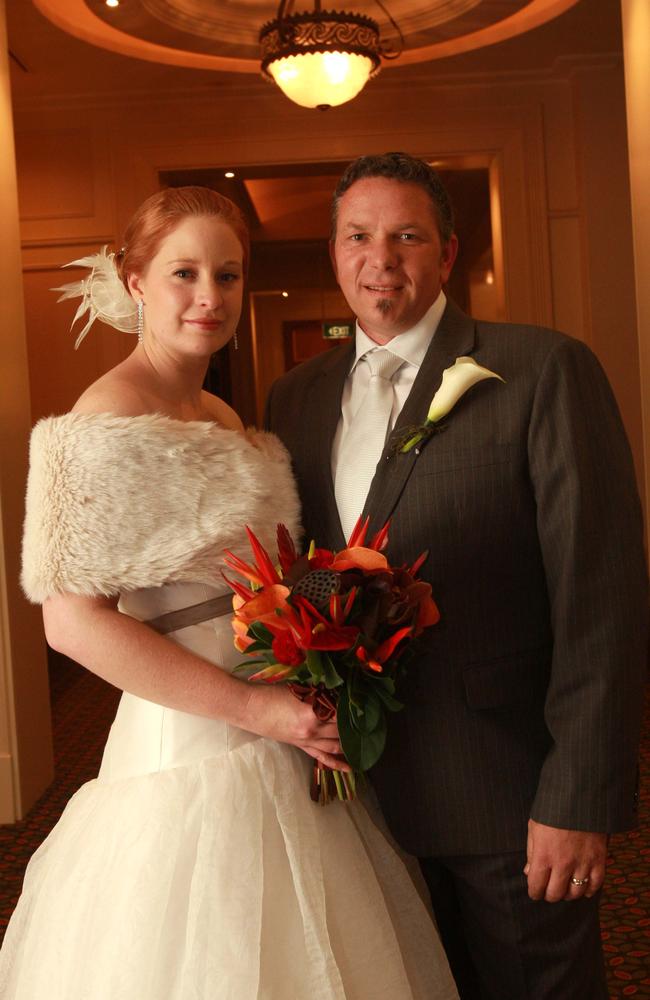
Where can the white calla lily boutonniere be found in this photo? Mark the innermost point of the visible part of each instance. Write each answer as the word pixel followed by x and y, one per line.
pixel 456 380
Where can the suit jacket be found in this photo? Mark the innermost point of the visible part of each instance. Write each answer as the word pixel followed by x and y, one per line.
pixel 525 700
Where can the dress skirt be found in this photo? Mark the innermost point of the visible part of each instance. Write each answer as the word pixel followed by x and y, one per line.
pixel 196 867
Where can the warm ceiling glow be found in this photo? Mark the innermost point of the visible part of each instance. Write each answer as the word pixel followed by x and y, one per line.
pixel 112 3
pixel 285 295
pixel 229 173
pixel 78 19
pixel 489 278
pixel 321 79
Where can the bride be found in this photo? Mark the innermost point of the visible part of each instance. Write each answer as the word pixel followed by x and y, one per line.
pixel 195 867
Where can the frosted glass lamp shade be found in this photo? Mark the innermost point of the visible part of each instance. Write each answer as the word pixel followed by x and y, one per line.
pixel 321 79
pixel 319 58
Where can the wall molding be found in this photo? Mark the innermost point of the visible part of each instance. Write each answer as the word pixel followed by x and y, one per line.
pixel 8 813
pixel 427 76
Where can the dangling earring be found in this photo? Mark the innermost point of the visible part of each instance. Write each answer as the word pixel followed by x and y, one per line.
pixel 140 326
pixel 235 341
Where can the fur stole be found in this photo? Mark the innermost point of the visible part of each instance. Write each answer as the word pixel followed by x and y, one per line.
pixel 117 504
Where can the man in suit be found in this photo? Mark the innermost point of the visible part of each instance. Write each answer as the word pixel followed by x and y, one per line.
pixel 516 753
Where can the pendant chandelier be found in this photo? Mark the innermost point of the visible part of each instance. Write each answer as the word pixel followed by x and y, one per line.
pixel 320 59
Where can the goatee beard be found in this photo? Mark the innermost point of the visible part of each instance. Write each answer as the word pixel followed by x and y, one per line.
pixel 383 306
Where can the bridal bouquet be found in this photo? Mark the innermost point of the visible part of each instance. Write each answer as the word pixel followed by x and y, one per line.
pixel 335 626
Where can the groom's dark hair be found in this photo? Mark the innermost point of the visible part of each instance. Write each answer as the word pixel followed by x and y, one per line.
pixel 408 170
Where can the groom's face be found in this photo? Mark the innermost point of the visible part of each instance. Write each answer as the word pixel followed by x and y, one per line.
pixel 388 256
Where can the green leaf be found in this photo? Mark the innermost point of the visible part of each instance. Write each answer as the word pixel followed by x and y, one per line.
pixel 387 683
pixel 392 704
pixel 361 750
pixel 385 688
pixel 331 677
pixel 247 665
pixel 367 715
pixel 302 674
pixel 261 633
pixel 258 647
pixel 314 665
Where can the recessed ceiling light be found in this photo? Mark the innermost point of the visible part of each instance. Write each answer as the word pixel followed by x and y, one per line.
pixel 228 173
pixel 285 295
pixel 112 3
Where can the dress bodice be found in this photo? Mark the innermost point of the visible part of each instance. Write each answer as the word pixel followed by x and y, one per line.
pixel 147 737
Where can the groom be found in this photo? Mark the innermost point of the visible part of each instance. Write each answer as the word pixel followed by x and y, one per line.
pixel 517 752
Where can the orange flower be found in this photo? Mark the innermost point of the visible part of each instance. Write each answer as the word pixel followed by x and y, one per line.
pixel 428 613
pixel 358 557
pixel 264 607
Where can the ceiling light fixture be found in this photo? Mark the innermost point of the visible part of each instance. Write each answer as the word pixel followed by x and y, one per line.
pixel 320 59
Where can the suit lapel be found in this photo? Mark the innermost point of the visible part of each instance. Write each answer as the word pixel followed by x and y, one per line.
pixel 454 338
pixel 318 436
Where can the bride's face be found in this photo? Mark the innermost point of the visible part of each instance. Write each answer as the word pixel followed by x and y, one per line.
pixel 192 288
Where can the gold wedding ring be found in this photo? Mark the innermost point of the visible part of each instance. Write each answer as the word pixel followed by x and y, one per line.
pixel 579 881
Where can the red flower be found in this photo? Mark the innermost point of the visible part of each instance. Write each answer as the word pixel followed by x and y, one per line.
pixel 383 652
pixel 262 572
pixel 359 532
pixel 286 549
pixel 331 637
pixel 321 559
pixel 286 650
pixel 316 632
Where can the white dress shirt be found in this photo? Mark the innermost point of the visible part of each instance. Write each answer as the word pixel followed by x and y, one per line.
pixel 411 346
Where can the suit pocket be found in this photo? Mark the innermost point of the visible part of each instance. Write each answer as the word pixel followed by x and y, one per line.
pixel 436 461
pixel 509 682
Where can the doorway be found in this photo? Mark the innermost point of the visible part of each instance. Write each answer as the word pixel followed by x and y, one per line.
pixel 291 284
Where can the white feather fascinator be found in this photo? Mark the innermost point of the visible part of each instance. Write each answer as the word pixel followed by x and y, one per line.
pixel 103 296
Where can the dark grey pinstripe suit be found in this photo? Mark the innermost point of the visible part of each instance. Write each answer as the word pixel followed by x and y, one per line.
pixel 526 699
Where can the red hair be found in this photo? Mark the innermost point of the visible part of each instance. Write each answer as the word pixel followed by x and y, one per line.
pixel 162 212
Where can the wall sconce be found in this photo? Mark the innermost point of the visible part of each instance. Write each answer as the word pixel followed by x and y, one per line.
pixel 320 59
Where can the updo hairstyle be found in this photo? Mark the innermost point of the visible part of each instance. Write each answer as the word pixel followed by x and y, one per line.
pixel 161 213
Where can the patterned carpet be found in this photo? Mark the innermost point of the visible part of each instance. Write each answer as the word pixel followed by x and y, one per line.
pixel 83 708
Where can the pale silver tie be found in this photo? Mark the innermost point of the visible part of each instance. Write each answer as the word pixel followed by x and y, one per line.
pixel 362 445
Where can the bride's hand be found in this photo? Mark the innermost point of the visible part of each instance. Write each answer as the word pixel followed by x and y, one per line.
pixel 273 712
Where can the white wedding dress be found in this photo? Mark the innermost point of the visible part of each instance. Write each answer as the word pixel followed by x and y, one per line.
pixel 196 867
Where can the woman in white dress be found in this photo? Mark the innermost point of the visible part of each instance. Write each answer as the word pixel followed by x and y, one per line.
pixel 195 867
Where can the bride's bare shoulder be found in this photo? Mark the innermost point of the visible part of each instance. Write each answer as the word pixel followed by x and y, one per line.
pixel 116 392
pixel 220 412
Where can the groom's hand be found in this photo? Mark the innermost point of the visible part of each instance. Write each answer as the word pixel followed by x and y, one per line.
pixel 556 856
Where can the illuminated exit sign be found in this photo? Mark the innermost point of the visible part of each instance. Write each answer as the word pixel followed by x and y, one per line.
pixel 338 330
